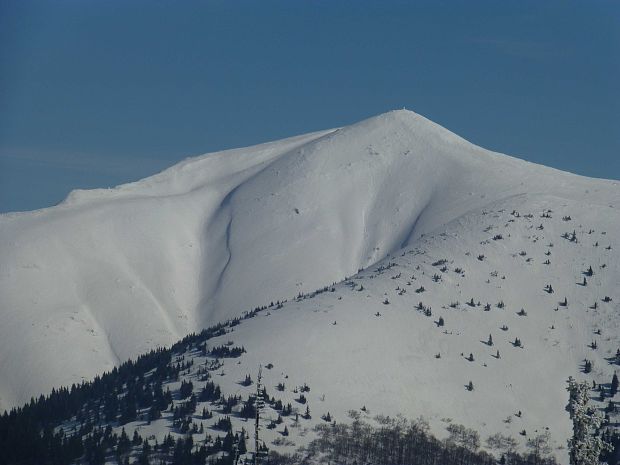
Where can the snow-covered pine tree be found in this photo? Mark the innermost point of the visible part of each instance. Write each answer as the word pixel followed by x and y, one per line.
pixel 584 447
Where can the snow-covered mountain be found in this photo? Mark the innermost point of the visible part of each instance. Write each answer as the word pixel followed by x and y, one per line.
pixel 109 274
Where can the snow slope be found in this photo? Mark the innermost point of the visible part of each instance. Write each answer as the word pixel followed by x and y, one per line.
pixel 111 273
pixel 367 342
pixel 372 345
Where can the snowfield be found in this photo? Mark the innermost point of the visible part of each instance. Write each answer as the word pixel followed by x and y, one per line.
pixel 394 204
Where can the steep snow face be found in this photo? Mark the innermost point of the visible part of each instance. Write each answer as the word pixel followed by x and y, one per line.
pixel 111 273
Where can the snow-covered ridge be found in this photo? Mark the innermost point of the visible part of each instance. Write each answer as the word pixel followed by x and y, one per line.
pixel 111 273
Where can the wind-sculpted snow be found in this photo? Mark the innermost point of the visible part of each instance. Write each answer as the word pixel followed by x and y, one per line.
pixel 111 273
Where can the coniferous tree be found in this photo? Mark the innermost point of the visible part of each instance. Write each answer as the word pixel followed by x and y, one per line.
pixel 584 447
pixel 287 410
pixel 241 445
pixel 129 411
pixel 154 413
pixel 124 444
pixel 610 407
pixel 186 389
pixel 136 440
pixel 143 458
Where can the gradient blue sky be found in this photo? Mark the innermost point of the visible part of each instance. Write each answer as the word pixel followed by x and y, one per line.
pixel 94 93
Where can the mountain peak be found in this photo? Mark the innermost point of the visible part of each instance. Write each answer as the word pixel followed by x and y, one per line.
pixel 130 268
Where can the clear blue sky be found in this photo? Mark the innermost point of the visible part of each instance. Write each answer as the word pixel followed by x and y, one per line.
pixel 100 92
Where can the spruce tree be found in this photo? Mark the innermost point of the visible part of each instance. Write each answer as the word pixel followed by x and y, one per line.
pixel 136 440
pixel 143 458
pixel 241 446
pixel 584 447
